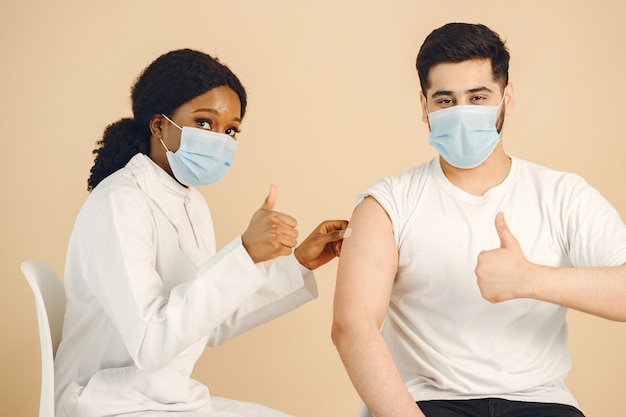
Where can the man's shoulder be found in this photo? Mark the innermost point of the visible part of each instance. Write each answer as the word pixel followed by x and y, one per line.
pixel 549 184
pixel 543 173
pixel 402 189
pixel 412 175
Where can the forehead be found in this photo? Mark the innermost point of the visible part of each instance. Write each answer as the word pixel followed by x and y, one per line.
pixel 461 76
pixel 223 100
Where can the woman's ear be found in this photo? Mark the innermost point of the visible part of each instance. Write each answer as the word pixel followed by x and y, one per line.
pixel 156 125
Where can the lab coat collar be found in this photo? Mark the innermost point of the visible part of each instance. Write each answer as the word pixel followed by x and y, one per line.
pixel 145 170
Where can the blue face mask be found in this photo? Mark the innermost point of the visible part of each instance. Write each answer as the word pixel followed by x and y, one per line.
pixel 465 135
pixel 203 157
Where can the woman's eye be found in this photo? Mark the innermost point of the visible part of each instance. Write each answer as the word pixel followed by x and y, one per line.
pixel 205 124
pixel 232 131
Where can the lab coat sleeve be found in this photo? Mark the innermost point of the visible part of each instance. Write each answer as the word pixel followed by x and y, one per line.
pixel 116 240
pixel 289 285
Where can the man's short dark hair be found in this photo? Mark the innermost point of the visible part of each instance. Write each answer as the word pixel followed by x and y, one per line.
pixel 458 42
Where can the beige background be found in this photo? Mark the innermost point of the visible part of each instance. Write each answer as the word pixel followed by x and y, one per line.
pixel 333 106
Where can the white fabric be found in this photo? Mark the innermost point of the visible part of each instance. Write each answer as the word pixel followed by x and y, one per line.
pixel 146 292
pixel 450 343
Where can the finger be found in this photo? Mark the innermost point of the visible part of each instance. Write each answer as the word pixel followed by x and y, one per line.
pixel 322 237
pixel 507 239
pixel 288 240
pixel 289 232
pixel 332 225
pixel 334 236
pixel 337 248
pixel 281 233
pixel 270 200
pixel 286 219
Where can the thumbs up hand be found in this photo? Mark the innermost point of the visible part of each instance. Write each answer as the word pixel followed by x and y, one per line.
pixel 270 233
pixel 503 273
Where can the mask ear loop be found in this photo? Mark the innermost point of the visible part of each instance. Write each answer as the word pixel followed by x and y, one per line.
pixel 172 122
pixel 426 108
pixel 498 109
pixel 503 97
pixel 163 143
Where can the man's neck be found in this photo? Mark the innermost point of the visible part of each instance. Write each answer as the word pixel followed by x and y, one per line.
pixel 479 180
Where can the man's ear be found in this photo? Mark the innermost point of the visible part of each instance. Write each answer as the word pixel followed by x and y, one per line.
pixel 509 99
pixel 424 110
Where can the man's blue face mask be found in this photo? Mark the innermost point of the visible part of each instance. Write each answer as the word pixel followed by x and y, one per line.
pixel 203 156
pixel 464 135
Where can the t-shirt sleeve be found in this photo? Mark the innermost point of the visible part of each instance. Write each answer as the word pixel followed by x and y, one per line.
pixel 596 232
pixel 399 195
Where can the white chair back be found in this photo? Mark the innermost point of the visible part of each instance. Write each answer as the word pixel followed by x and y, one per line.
pixel 49 296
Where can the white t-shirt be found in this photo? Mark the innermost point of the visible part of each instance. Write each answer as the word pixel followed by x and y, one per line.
pixel 449 342
pixel 146 292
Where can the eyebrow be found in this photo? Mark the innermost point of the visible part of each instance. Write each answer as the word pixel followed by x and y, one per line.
pixel 215 112
pixel 475 90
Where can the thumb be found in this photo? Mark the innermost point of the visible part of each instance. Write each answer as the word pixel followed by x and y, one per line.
pixel 507 239
pixel 270 200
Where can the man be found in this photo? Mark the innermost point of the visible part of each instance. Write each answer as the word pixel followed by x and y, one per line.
pixel 470 330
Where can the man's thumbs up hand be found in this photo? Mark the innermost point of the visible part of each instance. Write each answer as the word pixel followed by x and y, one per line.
pixel 502 272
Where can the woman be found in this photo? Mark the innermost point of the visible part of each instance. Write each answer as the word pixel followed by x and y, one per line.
pixel 146 290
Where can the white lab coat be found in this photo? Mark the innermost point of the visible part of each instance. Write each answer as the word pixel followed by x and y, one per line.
pixel 146 292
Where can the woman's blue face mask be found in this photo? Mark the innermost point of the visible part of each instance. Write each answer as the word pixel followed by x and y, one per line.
pixel 203 157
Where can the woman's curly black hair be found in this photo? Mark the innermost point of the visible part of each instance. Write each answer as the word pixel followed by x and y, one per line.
pixel 170 81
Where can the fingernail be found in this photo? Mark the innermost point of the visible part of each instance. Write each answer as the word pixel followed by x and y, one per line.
pixel 347 232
